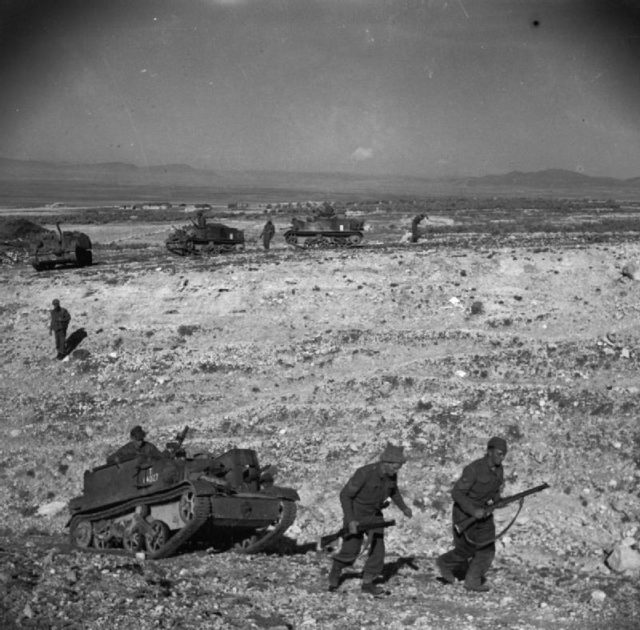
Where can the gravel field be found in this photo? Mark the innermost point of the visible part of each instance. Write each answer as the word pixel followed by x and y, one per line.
pixel 316 359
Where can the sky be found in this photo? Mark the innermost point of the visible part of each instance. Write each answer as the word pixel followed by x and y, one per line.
pixel 403 87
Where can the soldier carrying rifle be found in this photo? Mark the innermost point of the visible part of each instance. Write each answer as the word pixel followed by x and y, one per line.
pixel 363 499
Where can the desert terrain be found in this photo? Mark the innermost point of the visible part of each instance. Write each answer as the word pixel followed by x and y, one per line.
pixel 316 359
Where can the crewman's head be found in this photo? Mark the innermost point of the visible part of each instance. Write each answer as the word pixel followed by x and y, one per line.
pixel 392 459
pixel 496 450
pixel 56 303
pixel 137 433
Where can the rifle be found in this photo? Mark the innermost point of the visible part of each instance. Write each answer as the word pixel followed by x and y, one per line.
pixel 464 524
pixel 175 447
pixel 363 526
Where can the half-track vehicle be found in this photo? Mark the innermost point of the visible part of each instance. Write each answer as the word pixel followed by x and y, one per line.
pixel 69 248
pixel 324 231
pixel 159 505
pixel 204 238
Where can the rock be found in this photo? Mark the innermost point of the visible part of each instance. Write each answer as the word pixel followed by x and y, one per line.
pixel 598 596
pixel 624 559
pixel 630 270
pixel 50 509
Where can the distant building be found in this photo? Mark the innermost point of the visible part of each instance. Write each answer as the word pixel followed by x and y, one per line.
pixel 161 205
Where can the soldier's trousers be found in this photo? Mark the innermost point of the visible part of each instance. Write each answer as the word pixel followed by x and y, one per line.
pixel 468 559
pixel 351 546
pixel 61 340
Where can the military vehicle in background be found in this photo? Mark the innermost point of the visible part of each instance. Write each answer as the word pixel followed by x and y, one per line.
pixel 325 229
pixel 159 505
pixel 204 238
pixel 50 250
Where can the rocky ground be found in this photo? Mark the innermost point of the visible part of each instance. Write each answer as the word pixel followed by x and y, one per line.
pixel 317 359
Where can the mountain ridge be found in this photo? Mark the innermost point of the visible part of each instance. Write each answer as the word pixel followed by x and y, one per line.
pixel 184 175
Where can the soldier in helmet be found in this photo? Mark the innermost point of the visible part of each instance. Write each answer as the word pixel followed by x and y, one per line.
pixel 363 498
pixel 137 447
pixel 60 319
pixel 481 483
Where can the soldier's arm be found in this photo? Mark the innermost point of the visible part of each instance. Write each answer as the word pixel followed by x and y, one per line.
pixel 461 489
pixel 349 493
pixel 397 498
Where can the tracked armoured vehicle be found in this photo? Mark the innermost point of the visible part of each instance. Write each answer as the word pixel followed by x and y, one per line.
pixel 325 231
pixel 158 506
pixel 50 250
pixel 204 238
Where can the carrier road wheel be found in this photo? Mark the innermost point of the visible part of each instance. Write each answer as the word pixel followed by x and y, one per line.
pixel 133 540
pixel 158 537
pixel 102 538
pixel 187 507
pixel 81 533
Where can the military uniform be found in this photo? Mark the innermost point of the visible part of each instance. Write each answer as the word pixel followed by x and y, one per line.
pixel 267 234
pixel 60 319
pixel 363 498
pixel 415 235
pixel 474 549
pixel 137 447
pixel 131 450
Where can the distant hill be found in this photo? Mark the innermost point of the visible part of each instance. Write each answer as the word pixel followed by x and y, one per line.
pixel 120 180
pixel 116 173
pixel 550 178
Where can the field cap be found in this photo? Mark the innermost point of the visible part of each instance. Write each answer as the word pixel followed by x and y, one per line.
pixel 499 443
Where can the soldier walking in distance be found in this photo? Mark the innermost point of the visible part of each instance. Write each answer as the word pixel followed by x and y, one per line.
pixel 363 498
pixel 415 235
pixel 480 485
pixel 59 323
pixel 137 447
pixel 267 233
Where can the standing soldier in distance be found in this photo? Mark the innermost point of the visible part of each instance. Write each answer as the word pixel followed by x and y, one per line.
pixel 267 233
pixel 363 498
pixel 59 323
pixel 415 235
pixel 481 483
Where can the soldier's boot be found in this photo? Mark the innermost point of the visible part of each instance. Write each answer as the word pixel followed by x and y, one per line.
pixel 475 582
pixel 372 589
pixel 334 576
pixel 478 587
pixel 445 572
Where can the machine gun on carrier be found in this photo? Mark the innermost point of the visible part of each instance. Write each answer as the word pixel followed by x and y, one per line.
pixel 174 448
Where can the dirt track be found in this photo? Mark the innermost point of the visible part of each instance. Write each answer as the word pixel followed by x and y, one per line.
pixel 316 359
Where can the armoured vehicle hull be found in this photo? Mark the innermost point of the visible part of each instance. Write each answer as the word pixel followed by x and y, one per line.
pixel 64 248
pixel 212 238
pixel 332 231
pixel 157 506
